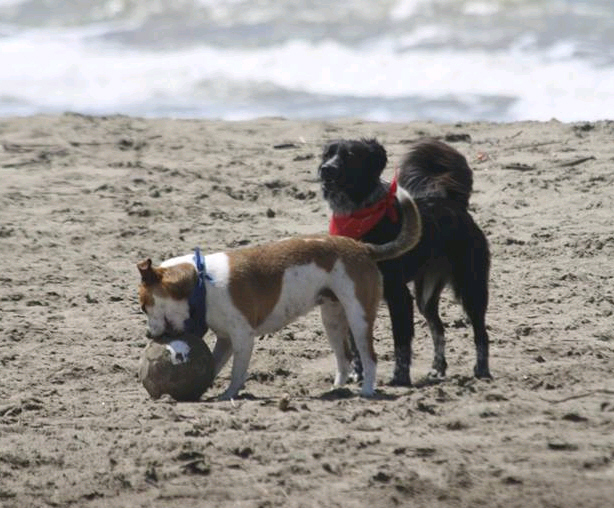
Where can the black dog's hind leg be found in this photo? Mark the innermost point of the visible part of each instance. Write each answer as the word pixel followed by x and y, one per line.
pixel 474 303
pixel 401 307
pixel 428 292
pixel 472 287
pixel 481 369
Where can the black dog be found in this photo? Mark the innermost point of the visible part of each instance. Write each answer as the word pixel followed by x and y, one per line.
pixel 452 251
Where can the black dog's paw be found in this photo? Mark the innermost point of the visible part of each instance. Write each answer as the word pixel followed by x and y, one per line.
pixel 400 379
pixel 400 376
pixel 436 375
pixel 482 372
pixel 439 367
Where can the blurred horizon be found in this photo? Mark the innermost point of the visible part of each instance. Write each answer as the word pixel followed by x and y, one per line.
pixel 386 60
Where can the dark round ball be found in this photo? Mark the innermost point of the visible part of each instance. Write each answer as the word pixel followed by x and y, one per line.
pixel 181 367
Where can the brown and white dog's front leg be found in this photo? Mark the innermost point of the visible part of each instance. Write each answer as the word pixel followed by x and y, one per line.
pixel 242 347
pixel 222 351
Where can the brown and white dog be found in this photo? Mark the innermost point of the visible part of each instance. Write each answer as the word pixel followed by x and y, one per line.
pixel 257 290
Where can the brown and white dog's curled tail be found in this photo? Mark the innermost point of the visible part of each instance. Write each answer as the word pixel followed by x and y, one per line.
pixel 408 237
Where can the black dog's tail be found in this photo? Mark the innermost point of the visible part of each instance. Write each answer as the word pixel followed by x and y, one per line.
pixel 435 169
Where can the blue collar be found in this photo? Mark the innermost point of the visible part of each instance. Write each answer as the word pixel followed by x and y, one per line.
pixel 197 322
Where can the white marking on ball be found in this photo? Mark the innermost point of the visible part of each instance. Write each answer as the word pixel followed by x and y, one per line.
pixel 179 350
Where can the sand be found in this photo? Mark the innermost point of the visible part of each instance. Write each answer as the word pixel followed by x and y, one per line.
pixel 83 199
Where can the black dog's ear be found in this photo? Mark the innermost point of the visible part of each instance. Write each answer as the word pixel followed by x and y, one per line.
pixel 329 148
pixel 377 154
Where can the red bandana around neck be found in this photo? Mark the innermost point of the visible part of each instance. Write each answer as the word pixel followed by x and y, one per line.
pixel 359 223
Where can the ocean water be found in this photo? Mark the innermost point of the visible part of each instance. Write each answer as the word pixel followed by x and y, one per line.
pixel 389 60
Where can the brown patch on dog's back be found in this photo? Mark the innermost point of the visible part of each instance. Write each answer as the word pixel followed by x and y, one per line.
pixel 256 273
pixel 254 285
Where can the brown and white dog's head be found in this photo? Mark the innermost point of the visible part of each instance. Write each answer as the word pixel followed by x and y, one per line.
pixel 164 294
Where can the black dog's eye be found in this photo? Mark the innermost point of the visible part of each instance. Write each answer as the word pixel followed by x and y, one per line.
pixel 329 150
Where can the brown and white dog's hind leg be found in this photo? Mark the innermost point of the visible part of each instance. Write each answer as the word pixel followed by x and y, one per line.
pixel 363 337
pixel 360 320
pixel 337 330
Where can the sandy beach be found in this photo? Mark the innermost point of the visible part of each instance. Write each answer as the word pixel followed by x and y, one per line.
pixel 83 199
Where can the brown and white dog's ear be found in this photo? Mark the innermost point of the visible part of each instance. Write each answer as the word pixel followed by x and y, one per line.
pixel 148 274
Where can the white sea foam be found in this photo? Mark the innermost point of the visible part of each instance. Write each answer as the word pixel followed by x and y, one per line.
pixel 10 3
pixel 400 70
pixel 404 9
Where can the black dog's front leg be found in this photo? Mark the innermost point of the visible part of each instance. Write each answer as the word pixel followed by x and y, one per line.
pixel 401 309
